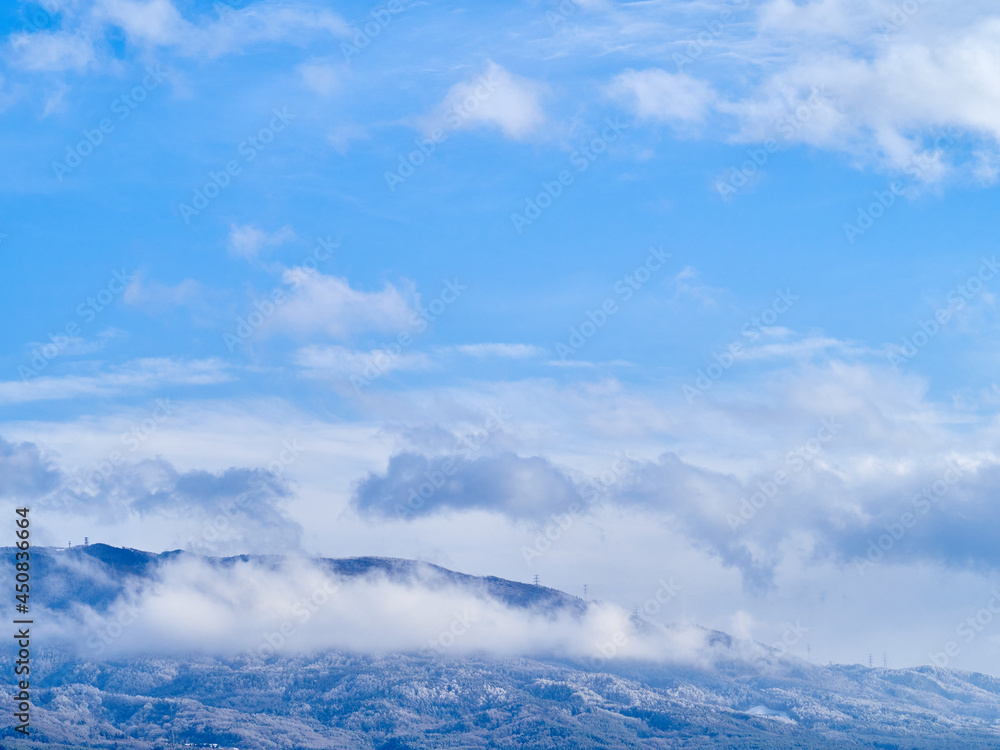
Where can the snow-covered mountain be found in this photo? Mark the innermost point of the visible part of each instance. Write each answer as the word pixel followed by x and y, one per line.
pixel 720 694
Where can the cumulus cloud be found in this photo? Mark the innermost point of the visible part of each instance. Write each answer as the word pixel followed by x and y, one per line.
pixel 24 472
pixel 902 88
pixel 813 462
pixel 657 95
pixel 415 484
pixel 494 98
pixel 227 512
pixel 915 99
pixel 876 475
pixel 327 304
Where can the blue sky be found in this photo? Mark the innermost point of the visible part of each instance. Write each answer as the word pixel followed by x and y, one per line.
pixel 758 208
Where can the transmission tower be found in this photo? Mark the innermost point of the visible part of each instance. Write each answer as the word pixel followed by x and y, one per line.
pixel 585 592
pixel 536 579
pixel 869 661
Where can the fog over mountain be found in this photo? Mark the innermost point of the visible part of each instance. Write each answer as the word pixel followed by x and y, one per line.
pixel 105 602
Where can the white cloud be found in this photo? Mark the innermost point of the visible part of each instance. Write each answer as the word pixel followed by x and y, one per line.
pixel 341 362
pixel 803 348
pixel 907 88
pixel 688 286
pixel 230 609
pixel 655 94
pixel 341 136
pixel 893 438
pixel 51 51
pixel 155 22
pixel 158 23
pixel 323 79
pixel 76 346
pixel 825 17
pixel 141 374
pixel 327 304
pixel 513 351
pixel 494 98
pixel 907 100
pixel 154 295
pixel 246 241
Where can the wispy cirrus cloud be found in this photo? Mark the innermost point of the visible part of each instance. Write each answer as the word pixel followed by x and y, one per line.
pixel 131 377
pixel 331 361
pixel 159 24
pixel 510 351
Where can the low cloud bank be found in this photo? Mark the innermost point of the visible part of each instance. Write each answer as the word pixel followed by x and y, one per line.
pixel 249 608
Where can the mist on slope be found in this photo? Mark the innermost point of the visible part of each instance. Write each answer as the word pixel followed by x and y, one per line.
pixel 191 605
